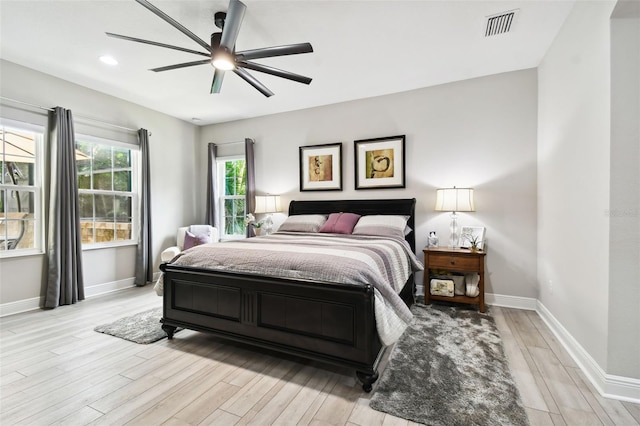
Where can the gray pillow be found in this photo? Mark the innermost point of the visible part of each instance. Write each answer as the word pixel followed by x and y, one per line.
pixel 383 225
pixel 303 223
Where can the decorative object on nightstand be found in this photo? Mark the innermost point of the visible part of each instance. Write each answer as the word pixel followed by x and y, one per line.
pixel 433 239
pixel 472 237
pixel 464 261
pixel 439 287
pixel 454 200
pixel 250 220
pixel 268 204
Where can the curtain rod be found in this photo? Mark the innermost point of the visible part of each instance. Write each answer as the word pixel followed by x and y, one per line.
pixel 77 115
pixel 231 143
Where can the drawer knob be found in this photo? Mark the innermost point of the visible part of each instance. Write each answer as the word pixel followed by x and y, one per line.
pixel 452 261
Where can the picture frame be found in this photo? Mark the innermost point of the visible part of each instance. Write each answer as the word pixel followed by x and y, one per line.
pixel 321 167
pixel 469 232
pixel 380 162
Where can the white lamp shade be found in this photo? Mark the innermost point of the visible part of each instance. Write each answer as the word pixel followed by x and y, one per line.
pixel 455 200
pixel 267 204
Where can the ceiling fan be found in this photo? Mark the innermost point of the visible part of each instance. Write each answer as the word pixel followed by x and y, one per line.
pixel 222 54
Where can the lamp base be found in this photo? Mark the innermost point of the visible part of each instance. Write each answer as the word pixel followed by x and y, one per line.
pixel 454 237
pixel 268 225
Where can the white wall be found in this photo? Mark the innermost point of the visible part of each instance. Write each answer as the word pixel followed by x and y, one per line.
pixel 573 177
pixel 479 133
pixel 173 154
pixel 624 218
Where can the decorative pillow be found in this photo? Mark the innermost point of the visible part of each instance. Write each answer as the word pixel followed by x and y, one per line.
pixel 384 225
pixel 303 223
pixel 340 223
pixel 191 240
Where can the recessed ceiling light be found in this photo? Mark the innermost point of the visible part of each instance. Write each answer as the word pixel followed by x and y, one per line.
pixel 109 60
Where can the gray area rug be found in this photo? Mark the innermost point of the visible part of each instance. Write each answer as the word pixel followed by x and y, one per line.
pixel 449 368
pixel 143 327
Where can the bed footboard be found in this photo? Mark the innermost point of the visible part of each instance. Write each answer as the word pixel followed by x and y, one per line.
pixel 334 323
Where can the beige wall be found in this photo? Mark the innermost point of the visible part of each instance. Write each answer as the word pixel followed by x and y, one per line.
pixel 173 153
pixel 624 218
pixel 479 133
pixel 588 159
pixel 573 170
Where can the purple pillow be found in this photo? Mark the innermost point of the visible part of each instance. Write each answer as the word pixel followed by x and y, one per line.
pixel 191 240
pixel 340 223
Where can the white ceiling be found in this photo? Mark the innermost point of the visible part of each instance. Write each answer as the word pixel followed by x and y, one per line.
pixel 361 48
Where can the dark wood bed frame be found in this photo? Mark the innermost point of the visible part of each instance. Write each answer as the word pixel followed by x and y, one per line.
pixel 333 323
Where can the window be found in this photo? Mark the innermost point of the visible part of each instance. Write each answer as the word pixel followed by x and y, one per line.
pixel 232 182
pixel 107 176
pixel 20 189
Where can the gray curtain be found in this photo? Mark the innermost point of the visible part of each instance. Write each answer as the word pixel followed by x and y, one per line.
pixel 250 196
pixel 65 283
pixel 144 260
pixel 212 185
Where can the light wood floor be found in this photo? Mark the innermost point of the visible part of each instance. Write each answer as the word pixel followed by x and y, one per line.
pixel 54 369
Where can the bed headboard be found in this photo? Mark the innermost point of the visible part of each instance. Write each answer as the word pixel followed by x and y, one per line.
pixel 402 206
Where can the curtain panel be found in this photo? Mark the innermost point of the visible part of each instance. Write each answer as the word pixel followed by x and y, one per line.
pixel 64 281
pixel 250 194
pixel 144 260
pixel 212 185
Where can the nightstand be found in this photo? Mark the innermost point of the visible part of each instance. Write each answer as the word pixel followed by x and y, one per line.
pixel 454 260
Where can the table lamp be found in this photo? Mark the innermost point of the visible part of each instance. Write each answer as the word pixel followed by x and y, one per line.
pixel 454 200
pixel 268 204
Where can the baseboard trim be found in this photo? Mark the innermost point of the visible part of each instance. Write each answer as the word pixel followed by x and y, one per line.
pixel 19 306
pixel 608 385
pixel 110 287
pixel 516 302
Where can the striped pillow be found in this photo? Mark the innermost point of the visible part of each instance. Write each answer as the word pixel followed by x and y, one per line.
pixel 384 225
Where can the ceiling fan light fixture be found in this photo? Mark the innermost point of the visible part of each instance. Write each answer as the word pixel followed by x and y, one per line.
pixel 221 53
pixel 223 60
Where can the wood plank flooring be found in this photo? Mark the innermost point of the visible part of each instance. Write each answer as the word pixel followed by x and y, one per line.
pixel 55 370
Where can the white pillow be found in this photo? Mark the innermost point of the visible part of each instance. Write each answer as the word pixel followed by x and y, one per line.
pixel 384 225
pixel 303 223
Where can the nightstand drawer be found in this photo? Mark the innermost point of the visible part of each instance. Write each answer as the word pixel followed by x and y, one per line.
pixel 454 262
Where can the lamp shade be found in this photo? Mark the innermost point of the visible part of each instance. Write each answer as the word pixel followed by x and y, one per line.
pixel 455 200
pixel 267 204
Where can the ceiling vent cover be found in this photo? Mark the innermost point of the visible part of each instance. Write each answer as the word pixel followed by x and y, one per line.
pixel 500 23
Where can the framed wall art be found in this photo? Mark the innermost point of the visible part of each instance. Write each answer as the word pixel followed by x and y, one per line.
pixel 321 167
pixel 470 234
pixel 379 163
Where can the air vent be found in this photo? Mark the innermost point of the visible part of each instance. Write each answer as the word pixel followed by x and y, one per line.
pixel 501 23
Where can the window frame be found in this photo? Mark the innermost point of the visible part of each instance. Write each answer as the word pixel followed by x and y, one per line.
pixel 220 175
pixel 36 188
pixel 134 193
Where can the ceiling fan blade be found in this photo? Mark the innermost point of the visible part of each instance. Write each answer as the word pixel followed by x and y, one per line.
pixel 175 24
pixel 183 65
pixel 253 81
pixel 269 52
pixel 274 71
pixel 232 23
pixel 216 84
pixel 155 43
